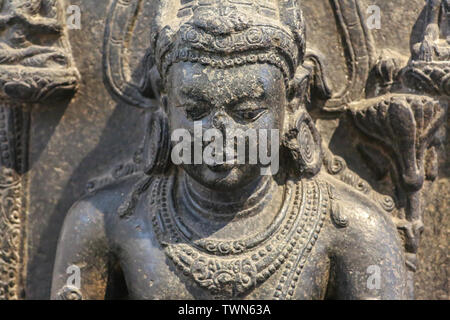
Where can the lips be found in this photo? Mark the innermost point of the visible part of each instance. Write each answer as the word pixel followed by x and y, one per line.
pixel 223 167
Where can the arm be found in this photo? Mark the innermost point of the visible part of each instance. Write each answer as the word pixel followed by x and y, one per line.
pixel 368 260
pixel 82 247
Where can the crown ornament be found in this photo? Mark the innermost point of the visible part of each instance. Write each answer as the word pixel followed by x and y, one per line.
pixel 229 33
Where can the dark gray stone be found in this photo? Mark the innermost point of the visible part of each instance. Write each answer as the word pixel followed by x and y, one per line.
pixel 363 157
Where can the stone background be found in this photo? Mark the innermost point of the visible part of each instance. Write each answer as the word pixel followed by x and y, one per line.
pixel 73 143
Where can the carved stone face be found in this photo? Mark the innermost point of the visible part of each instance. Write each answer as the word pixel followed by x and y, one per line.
pixel 239 98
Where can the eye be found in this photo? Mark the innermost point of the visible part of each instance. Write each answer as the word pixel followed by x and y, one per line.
pixel 196 112
pixel 249 114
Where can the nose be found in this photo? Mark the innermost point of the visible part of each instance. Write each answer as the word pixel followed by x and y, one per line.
pixel 220 120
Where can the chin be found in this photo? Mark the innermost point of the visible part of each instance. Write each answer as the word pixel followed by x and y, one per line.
pixel 223 178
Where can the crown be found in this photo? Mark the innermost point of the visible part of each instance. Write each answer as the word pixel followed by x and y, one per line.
pixel 226 33
pixel 263 7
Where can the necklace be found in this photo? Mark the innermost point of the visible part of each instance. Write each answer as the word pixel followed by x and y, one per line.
pixel 218 247
pixel 230 269
pixel 197 203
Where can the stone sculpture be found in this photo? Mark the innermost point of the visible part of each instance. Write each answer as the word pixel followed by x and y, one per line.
pixel 33 70
pixel 223 230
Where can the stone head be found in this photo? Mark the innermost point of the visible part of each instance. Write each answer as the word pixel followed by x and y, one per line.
pixel 235 68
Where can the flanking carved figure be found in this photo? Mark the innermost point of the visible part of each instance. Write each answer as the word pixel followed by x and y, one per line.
pixel 315 230
pixel 36 66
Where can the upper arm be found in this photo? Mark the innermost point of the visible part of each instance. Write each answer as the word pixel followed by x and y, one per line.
pixel 368 260
pixel 82 252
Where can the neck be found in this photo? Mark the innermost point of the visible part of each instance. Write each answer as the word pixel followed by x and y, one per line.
pixel 216 204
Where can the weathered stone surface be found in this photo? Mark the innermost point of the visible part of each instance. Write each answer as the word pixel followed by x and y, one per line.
pixel 433 274
pixel 80 145
pixel 33 70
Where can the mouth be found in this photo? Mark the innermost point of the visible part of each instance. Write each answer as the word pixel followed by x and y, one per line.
pixel 223 167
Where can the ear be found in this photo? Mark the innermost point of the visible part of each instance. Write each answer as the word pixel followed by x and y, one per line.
pixel 157 144
pixel 150 85
pixel 299 86
pixel 319 86
pixel 303 143
pixel 310 82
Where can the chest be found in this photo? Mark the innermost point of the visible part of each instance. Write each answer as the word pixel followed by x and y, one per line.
pixel 161 259
pixel 151 275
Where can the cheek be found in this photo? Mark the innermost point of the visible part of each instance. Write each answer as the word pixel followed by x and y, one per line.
pixel 278 117
pixel 277 105
pixel 274 118
pixel 178 119
pixel 270 121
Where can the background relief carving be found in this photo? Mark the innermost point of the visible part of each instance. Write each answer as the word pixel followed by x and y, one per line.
pixel 379 98
pixel 36 66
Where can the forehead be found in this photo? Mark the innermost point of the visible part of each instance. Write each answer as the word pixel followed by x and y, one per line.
pixel 188 78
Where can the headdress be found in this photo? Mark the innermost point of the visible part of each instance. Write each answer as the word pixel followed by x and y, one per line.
pixel 226 33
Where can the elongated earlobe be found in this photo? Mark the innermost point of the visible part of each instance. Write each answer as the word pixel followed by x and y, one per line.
pixel 303 142
pixel 299 86
pixel 151 84
pixel 157 144
pixel 310 87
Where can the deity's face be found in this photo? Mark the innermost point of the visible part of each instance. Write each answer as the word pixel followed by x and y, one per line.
pixel 230 100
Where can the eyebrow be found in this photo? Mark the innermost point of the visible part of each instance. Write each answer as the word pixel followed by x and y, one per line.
pixel 198 95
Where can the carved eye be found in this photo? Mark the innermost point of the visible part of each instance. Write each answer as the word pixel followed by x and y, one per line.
pixel 196 112
pixel 249 114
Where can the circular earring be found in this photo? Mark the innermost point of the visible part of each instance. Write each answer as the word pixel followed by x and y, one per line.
pixel 304 144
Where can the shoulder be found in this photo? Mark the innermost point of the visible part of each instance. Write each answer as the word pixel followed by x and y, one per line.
pixel 362 220
pixel 364 242
pixel 86 236
pixel 96 209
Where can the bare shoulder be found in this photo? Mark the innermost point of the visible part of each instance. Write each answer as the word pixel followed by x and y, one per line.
pixel 364 239
pixel 90 222
pixel 85 238
pixel 93 212
pixel 360 210
pixel 360 226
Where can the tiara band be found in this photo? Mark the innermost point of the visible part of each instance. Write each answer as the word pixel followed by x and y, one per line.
pixel 221 62
pixel 253 40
